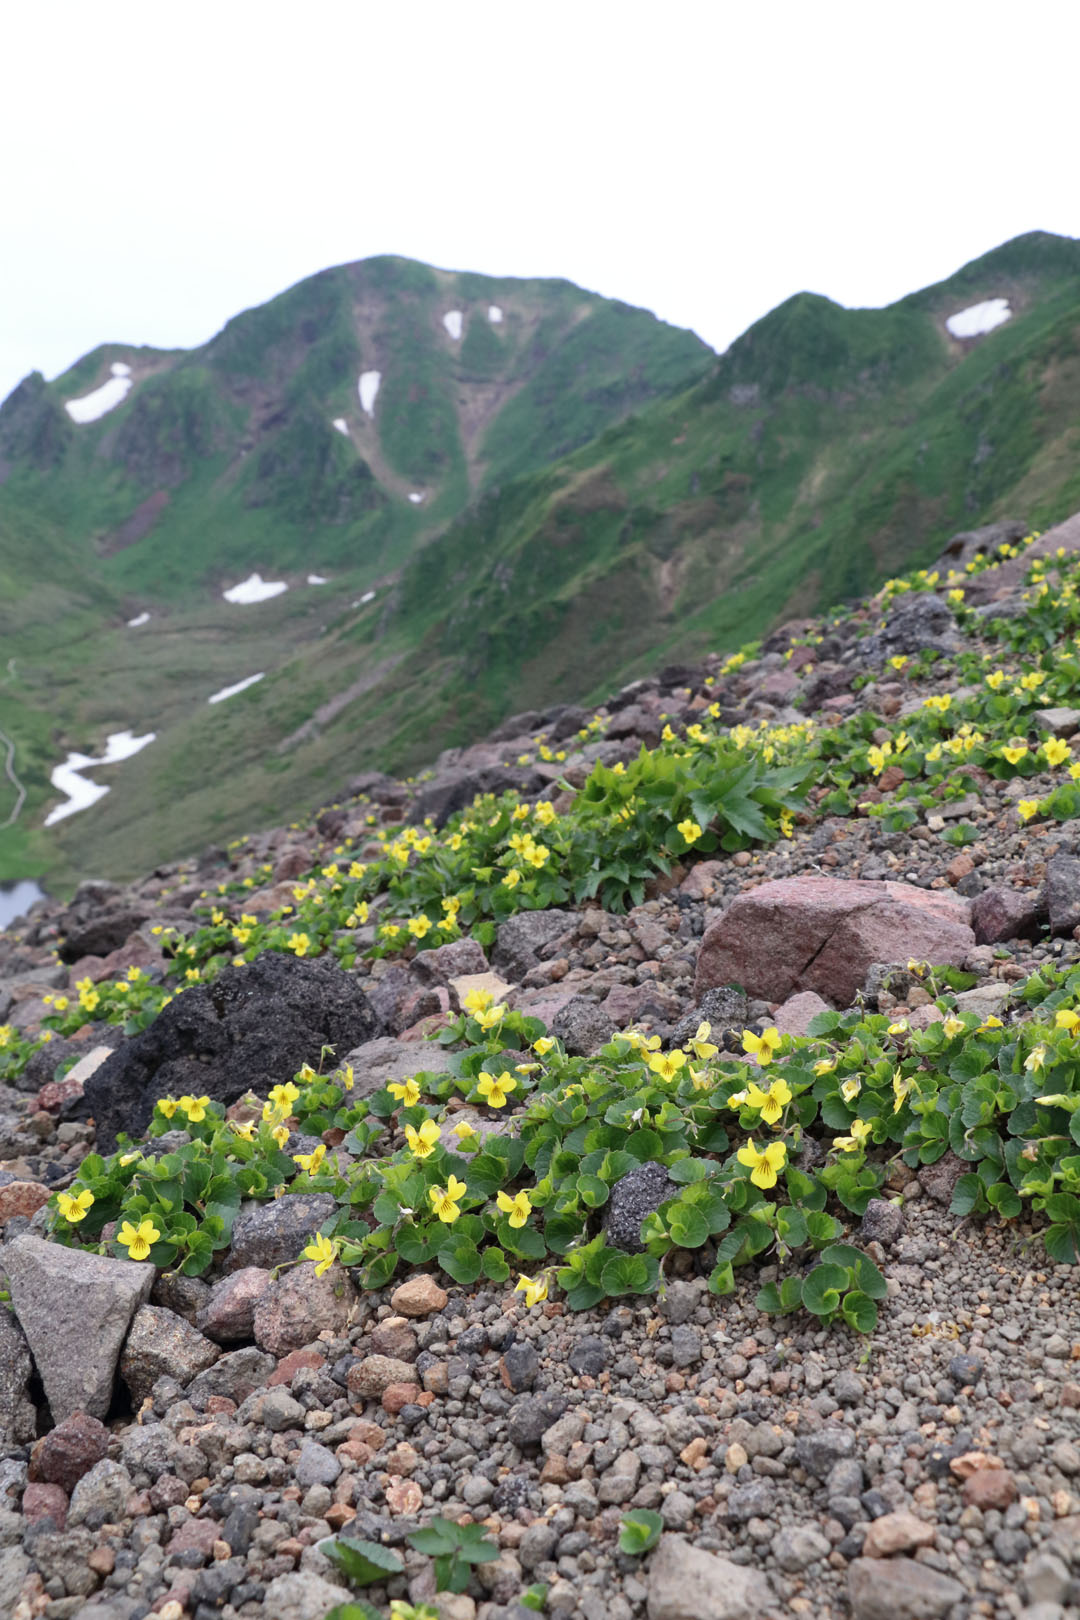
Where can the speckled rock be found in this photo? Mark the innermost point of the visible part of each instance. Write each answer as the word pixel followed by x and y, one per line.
pixel 163 1343
pixel 299 1306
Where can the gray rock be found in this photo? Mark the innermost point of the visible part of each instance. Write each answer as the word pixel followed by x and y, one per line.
pixel 589 1356
pixel 685 1583
pixel 455 788
pixel 938 1180
pixel 162 1344
pixel 882 1222
pixel 965 1369
pixel 236 1375
pixel 538 1544
pixel 1063 893
pixel 679 1301
pixel 273 1234
pixel 848 1388
pixel 820 1451
pixel 723 1008
pixel 14 1568
pixel 378 1063
pixel 998 914
pixel 685 1345
pixel 277 1410
pixel 184 1296
pixel 100 1495
pixel 301 1596
pixel 149 1448
pixel 528 1420
pixel 1061 722
pixel 797 1546
pixel 583 1026
pixel 753 1501
pixel 1045 1578
pixel 523 936
pixel 18 1418
pixel 916 622
pixel 634 1196
pixel 900 1589
pixel 299 1306
pixel 316 1465
pixel 228 1313
pixel 519 1366
pixel 74 1308
pixel 61 1555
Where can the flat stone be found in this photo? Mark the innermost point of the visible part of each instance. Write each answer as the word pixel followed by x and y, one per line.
pixel 159 1344
pixel 897 1533
pixel 1060 722
pixel 798 1546
pixel 990 1488
pixel 824 934
pixel 998 914
pixel 299 1306
pixel 797 1013
pixel 273 1234
pixel 75 1308
pixel 18 1417
pixel 316 1465
pixel 900 1589
pixel 369 1378
pixel 686 1583
pixel 522 936
pixel 236 1375
pixel 385 1061
pixel 301 1596
pixel 1063 893
pixel 229 1314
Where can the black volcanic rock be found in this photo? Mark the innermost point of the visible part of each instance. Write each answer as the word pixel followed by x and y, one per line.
pixel 254 1026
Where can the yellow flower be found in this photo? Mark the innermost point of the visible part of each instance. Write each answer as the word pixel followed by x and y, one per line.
pixel 545 813
pixel 1066 1018
pixel 419 926
pixel 495 1089
pixel 771 1103
pixel 940 703
pixel 876 758
pixel 73 1207
pixel 167 1106
pixel 465 1134
pixel 995 680
pixel 300 944
pixel 424 1141
pixel 860 1130
pixel 953 1026
pixel 666 1065
pixel 956 595
pixel 898 662
pixel 137 1239
pixel 517 1208
pixel 491 1017
pixel 899 1028
pixel 284 1096
pixel 477 1001
pixel 1032 680
pixel 1036 1059
pixel 1056 750
pixel 195 1108
pixel 446 1203
pixel 281 1134
pixel 761 1046
pixel 543 1045
pixel 311 1161
pixel 763 1166
pixel 535 1289
pixel 322 1251
pixel 850 1088
pixel 512 878
pixel 900 1089
pixel 61 1003
pixel 667 735
pixel 824 1065
pixel 1014 750
pixel 690 830
pixel 247 1130
pixel 346 1076
pixel 934 754
pixel 701 1046
pixel 990 1022
pixel 407 1094
pixel 1026 808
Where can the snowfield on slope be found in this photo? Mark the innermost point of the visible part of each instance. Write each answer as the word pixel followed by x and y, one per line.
pixel 254 589
pixel 82 793
pixel 978 319
pixel 91 407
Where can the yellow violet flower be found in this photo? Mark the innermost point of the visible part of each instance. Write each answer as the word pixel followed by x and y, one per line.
pixel 1066 1018
pixel 543 1045
pixel 666 1065
pixel 1036 1059
pixel 446 1202
pixel 763 1166
pixel 311 1161
pixel 701 1046
pixel 771 1103
pixel 824 1066
pixel 283 1096
pixel 168 1106
pixel 1026 808
pixel 512 878
pixel 953 1026
pixel 195 1108
pixel 407 1094
pixel 281 1134
pixel 322 1251
pixel 1014 750
pixel 850 1088
pixel 995 680
pixel 477 1001
pixel 535 1289
pixel 690 830
pixel 300 944
pixel 1056 750
pixel 424 1141
pixel 73 1207
pixel 496 1088
pixel 491 1017
pixel 247 1130
pixel 897 662
pixel 138 1239
pixel 860 1130
pixel 761 1046
pixel 465 1134
pixel 517 1208
pixel 345 1073
pixel 900 1089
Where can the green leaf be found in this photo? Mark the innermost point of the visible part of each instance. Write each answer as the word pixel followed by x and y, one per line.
pixel 460 1259
pixel 378 1272
pixel 722 1278
pixel 495 1266
pixel 641 1530
pixel 688 1227
pixel 859 1312
pixel 364 1562
pixel 821 1228
pixel 685 1171
pixel 593 1191
pixel 866 1275
pixel 629 1274
pixel 822 1289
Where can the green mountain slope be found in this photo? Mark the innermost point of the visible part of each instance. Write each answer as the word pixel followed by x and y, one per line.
pixel 584 518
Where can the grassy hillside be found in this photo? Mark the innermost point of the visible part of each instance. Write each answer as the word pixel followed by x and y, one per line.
pixel 584 519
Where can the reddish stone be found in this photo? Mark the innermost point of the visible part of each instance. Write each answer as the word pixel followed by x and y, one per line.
pixel 1000 914
pixel 891 778
pixel 22 1198
pixel 395 1396
pixel 219 1406
pixel 199 1534
pixel 52 1097
pixel 339 1514
pixel 69 1451
pixel 795 1016
pixel 961 866
pixel 702 879
pixel 290 1365
pixel 990 1488
pixel 42 1501
pixel 823 934
pixel 229 1314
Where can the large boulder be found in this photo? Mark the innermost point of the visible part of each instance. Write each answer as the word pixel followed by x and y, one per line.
pixel 687 1583
pixel 74 1308
pixel 823 934
pixel 455 789
pixel 18 1419
pixel 254 1026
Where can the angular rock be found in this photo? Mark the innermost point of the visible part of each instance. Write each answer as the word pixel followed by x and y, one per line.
pixel 236 1375
pixel 455 789
pixel 22 1198
pixel 1063 893
pixel 882 1222
pixel 316 1465
pixel 380 1062
pixel 523 936
pixel 74 1308
pixel 637 1194
pixel 529 1419
pixel 104 933
pixel 798 1546
pixel 1000 914
pixel 897 1533
pixel 818 1451
pixel 255 1025
pixel 797 1013
pixel 685 1583
pixel 583 1026
pixel 302 1596
pixel 41 1502
pixel 823 934
pixel 162 1344
pixel 18 1417
pixel 370 1378
pixel 1060 722
pixel 299 1306
pixel 420 1296
pixel 101 1494
pixel 69 1451
pixel 900 1589
pixel 184 1296
pixel 229 1314
pixel 273 1234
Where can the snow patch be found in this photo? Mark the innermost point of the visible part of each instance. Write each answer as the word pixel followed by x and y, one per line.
pixel 317 579
pixel 494 314
pixel 369 388
pixel 82 793
pixel 91 407
pixel 368 596
pixel 452 321
pixel 254 589
pixel 415 496
pixel 140 618
pixel 979 318
pixel 231 691
pixel 342 426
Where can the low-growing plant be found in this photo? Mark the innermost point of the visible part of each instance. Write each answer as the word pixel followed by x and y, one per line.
pixel 641 1529
pixel 456 1548
pixel 364 1563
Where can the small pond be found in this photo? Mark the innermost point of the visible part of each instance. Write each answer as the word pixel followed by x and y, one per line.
pixel 16 898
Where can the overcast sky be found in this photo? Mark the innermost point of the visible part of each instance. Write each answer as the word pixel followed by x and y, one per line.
pixel 168 165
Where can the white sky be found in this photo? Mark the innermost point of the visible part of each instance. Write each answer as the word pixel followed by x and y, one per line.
pixel 168 165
